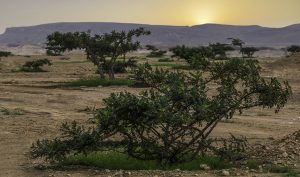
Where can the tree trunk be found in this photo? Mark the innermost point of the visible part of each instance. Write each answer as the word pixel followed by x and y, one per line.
pixel 101 72
pixel 111 72
pixel 124 57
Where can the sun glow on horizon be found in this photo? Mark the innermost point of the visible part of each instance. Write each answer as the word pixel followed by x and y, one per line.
pixel 204 17
pixel 271 13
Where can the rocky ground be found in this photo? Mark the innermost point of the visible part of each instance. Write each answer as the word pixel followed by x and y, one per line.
pixel 30 110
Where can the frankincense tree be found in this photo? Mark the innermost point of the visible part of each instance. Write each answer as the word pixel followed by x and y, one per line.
pixel 172 120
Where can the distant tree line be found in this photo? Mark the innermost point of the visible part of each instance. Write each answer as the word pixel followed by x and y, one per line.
pixel 5 54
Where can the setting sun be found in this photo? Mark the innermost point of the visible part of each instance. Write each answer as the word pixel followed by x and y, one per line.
pixel 204 18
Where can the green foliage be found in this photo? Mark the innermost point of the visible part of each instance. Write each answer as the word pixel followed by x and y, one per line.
pixel 248 51
pixel 196 57
pixel 165 60
pixel 171 121
pixel 95 81
pixel 219 50
pixel 120 66
pixel 277 169
pixel 292 174
pixel 36 65
pixel 232 149
pixel 58 43
pixel 115 161
pixel 5 54
pixel 253 164
pixel 285 170
pixel 237 42
pixel 102 50
pixel 293 49
pixel 155 52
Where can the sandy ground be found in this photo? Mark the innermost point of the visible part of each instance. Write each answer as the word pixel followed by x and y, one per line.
pixel 43 109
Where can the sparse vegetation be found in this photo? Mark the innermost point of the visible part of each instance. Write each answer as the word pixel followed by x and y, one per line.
pixel 5 54
pixel 171 122
pixel 237 42
pixel 102 50
pixel 196 57
pixel 248 51
pixel 253 164
pixel 232 149
pixel 165 60
pixel 36 65
pixel 155 52
pixel 115 161
pixel 245 51
pixel 219 50
pixel 293 49
pixel 119 66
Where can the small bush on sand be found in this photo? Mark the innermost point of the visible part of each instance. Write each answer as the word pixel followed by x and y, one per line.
pixel 5 54
pixel 171 122
pixel 120 66
pixel 165 60
pixel 35 66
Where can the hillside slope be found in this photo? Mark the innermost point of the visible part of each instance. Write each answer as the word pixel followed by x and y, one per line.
pixel 163 35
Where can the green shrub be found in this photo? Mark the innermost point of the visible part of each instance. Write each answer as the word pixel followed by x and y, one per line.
pixel 232 148
pixel 115 161
pixel 253 164
pixel 293 49
pixel 172 120
pixel 165 60
pixel 157 54
pixel 35 66
pixel 5 54
pixel 280 169
pixel 119 66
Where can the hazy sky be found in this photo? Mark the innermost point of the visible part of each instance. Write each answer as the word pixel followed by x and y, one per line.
pixel 275 13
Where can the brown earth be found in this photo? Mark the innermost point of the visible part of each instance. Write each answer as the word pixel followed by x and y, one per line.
pixel 36 111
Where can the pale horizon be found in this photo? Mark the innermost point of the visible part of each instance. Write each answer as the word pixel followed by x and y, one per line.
pixel 266 13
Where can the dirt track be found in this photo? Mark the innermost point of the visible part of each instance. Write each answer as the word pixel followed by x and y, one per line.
pixel 43 109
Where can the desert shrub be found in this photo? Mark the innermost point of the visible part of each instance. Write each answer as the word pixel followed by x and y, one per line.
pixel 233 149
pixel 248 51
pixel 36 65
pixel 253 164
pixel 165 60
pixel 5 54
pixel 219 50
pixel 115 161
pixel 293 49
pixel 120 66
pixel 155 52
pixel 196 57
pixel 102 50
pixel 172 120
pixel 64 58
